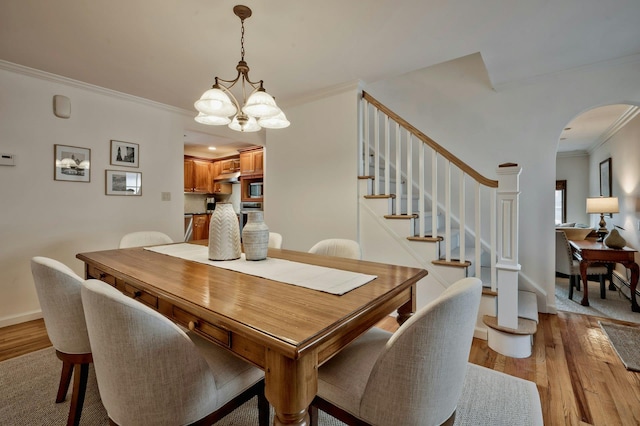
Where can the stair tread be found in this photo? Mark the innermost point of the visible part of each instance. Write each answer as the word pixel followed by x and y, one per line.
pixel 456 263
pixel 380 196
pixel 426 239
pixel 525 326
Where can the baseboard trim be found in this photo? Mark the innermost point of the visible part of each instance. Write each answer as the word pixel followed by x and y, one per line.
pixel 18 319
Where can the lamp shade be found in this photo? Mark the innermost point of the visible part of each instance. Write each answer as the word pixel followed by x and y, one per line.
pixel 212 119
pixel 261 104
pixel 250 126
pixel 599 205
pixel 276 122
pixel 215 102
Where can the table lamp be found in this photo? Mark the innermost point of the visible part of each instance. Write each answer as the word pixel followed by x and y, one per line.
pixel 602 206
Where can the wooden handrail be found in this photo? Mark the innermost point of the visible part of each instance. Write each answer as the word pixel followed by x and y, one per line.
pixel 430 142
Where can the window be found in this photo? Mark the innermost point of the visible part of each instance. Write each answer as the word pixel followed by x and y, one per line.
pixel 561 202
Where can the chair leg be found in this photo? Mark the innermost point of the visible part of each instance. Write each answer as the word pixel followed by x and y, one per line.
pixel 263 410
pixel 313 415
pixel 578 279
pixel 572 283
pixel 80 377
pixel 603 290
pixel 65 379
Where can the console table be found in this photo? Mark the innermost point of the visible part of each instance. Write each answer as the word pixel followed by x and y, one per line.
pixel 589 251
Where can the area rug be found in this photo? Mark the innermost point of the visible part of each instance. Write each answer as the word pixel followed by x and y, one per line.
pixel 28 386
pixel 626 341
pixel 615 306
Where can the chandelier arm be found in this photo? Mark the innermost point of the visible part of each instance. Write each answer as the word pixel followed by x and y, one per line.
pixel 228 92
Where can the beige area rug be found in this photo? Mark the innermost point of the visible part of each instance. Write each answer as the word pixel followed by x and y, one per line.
pixel 615 306
pixel 626 341
pixel 28 386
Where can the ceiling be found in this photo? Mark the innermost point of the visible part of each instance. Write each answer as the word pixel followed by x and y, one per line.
pixel 169 51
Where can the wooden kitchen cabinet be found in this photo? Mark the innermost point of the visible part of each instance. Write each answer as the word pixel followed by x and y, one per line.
pixel 252 162
pixel 201 226
pixel 197 176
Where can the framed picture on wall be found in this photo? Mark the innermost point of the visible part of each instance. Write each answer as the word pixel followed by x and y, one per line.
pixel 605 178
pixel 124 153
pixel 119 182
pixel 71 163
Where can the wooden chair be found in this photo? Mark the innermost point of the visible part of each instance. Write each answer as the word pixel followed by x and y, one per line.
pixel 144 238
pixel 567 265
pixel 149 371
pixel 339 247
pixel 412 377
pixel 58 289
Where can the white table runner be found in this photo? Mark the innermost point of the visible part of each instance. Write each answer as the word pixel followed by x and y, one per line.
pixel 329 280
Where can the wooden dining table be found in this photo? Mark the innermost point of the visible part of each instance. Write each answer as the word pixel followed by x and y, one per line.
pixel 286 330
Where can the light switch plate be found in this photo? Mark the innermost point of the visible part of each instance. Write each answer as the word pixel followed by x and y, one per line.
pixel 7 160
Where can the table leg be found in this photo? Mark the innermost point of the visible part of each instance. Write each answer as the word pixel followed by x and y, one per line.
pixel 634 284
pixel 583 274
pixel 290 386
pixel 407 310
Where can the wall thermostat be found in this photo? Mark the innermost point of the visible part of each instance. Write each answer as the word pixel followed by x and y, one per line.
pixel 61 106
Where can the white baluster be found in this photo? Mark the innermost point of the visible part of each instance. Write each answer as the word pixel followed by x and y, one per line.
pixel 409 149
pixel 462 224
pixel 398 171
pixel 387 155
pixel 447 209
pixel 376 165
pixel 434 194
pixel 366 157
pixel 478 242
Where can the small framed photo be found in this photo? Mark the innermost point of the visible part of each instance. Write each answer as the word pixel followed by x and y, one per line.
pixel 605 177
pixel 124 154
pixel 119 182
pixel 72 163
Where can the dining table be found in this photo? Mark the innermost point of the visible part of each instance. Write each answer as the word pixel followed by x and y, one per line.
pixel 288 330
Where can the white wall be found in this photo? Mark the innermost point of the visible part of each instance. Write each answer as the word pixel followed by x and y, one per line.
pixel 575 170
pixel 455 105
pixel 40 216
pixel 624 150
pixel 311 172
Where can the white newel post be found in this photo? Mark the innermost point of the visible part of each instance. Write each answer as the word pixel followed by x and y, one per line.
pixel 507 266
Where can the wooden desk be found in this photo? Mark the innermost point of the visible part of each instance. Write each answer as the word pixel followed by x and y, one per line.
pixel 286 330
pixel 589 251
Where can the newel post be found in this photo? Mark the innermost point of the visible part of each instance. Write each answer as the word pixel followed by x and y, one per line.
pixel 507 266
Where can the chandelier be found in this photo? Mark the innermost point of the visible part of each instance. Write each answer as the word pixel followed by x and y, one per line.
pixel 218 105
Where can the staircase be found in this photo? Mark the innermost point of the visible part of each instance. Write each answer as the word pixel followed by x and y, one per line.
pixel 422 206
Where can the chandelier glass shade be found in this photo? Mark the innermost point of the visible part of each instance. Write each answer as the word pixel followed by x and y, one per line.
pixel 218 106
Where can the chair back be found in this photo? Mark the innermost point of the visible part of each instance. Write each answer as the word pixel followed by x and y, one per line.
pixel 275 240
pixel 136 354
pixel 58 289
pixel 144 238
pixel 564 256
pixel 338 247
pixel 418 377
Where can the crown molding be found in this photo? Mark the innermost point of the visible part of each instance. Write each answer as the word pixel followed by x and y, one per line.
pixel 615 127
pixel 54 78
pixel 576 153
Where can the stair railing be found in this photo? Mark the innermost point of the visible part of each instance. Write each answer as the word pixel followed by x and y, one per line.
pixel 442 185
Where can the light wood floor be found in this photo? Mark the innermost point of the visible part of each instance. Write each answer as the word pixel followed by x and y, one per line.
pixel 579 376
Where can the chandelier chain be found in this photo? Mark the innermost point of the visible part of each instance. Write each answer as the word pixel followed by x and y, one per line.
pixel 242 39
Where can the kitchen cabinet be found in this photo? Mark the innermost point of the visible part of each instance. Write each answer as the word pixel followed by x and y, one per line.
pixel 201 226
pixel 229 166
pixel 252 162
pixel 216 170
pixel 197 176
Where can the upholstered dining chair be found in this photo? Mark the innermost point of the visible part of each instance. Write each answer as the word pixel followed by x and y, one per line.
pixel 339 247
pixel 412 377
pixel 275 240
pixel 149 371
pixel 567 265
pixel 144 238
pixel 58 289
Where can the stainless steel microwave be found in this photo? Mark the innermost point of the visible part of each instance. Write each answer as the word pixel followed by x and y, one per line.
pixel 255 190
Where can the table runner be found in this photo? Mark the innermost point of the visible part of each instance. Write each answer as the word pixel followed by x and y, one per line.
pixel 328 280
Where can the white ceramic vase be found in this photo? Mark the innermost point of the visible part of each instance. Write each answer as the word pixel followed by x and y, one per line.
pixel 255 237
pixel 224 233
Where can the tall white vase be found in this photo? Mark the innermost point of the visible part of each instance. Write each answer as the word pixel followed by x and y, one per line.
pixel 224 233
pixel 255 237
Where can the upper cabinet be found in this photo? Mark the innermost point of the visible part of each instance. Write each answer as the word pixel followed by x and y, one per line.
pixel 197 176
pixel 252 162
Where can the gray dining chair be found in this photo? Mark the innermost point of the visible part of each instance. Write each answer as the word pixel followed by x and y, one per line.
pixel 149 371
pixel 144 238
pixel 339 247
pixel 275 240
pixel 58 289
pixel 412 377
